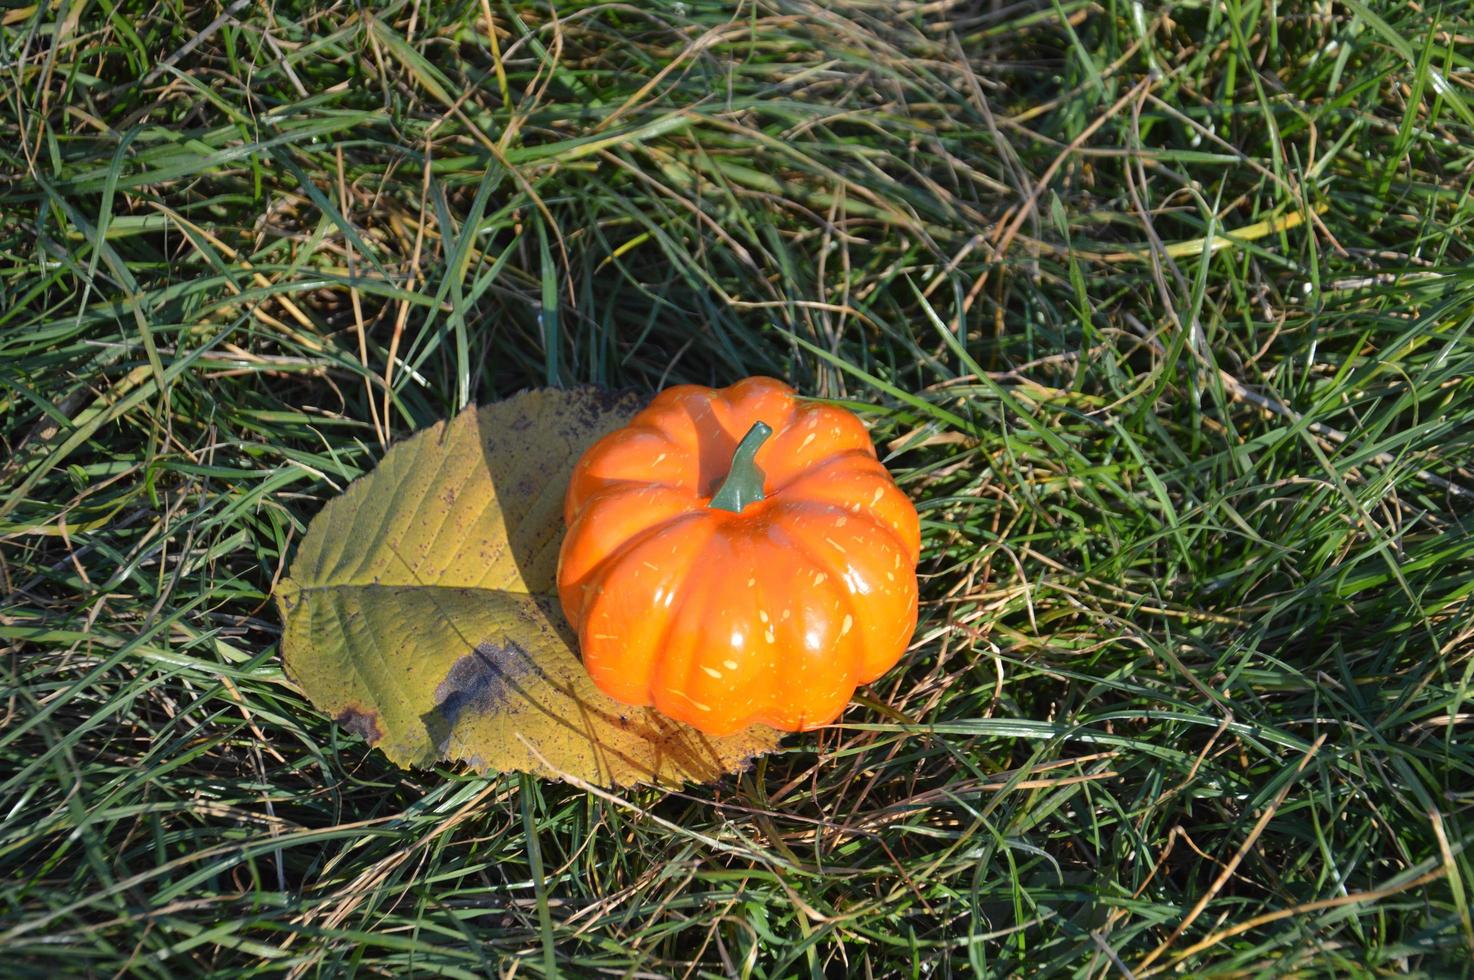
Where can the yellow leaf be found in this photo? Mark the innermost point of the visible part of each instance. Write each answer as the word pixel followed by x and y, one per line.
pixel 421 609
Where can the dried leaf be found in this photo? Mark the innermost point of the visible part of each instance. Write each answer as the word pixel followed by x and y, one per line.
pixel 421 609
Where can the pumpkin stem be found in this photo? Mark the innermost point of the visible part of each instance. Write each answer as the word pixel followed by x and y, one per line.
pixel 744 482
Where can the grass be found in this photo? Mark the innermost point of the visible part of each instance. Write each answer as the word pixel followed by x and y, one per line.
pixel 1162 313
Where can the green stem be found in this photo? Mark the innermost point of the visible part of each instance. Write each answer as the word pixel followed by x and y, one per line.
pixel 744 482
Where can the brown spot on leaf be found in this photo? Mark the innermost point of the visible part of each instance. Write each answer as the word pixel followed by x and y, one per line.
pixel 360 722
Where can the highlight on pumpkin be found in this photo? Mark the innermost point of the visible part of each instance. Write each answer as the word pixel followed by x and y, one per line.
pixel 768 601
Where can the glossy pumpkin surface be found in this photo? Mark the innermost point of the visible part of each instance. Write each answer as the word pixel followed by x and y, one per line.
pixel 722 618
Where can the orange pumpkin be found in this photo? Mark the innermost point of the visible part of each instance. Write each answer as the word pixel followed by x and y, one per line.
pixel 737 556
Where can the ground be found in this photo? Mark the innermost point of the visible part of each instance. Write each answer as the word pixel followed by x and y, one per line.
pixel 1160 312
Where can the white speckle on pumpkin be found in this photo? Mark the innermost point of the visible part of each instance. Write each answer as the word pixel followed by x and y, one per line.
pixel 836 545
pixel 849 622
pixel 751 582
pixel 807 439
pixel 842 521
pixel 677 692
pixel 820 578
pixel 730 664
pixel 762 614
pixel 712 672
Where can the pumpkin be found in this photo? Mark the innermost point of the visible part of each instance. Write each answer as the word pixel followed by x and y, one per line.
pixel 737 556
